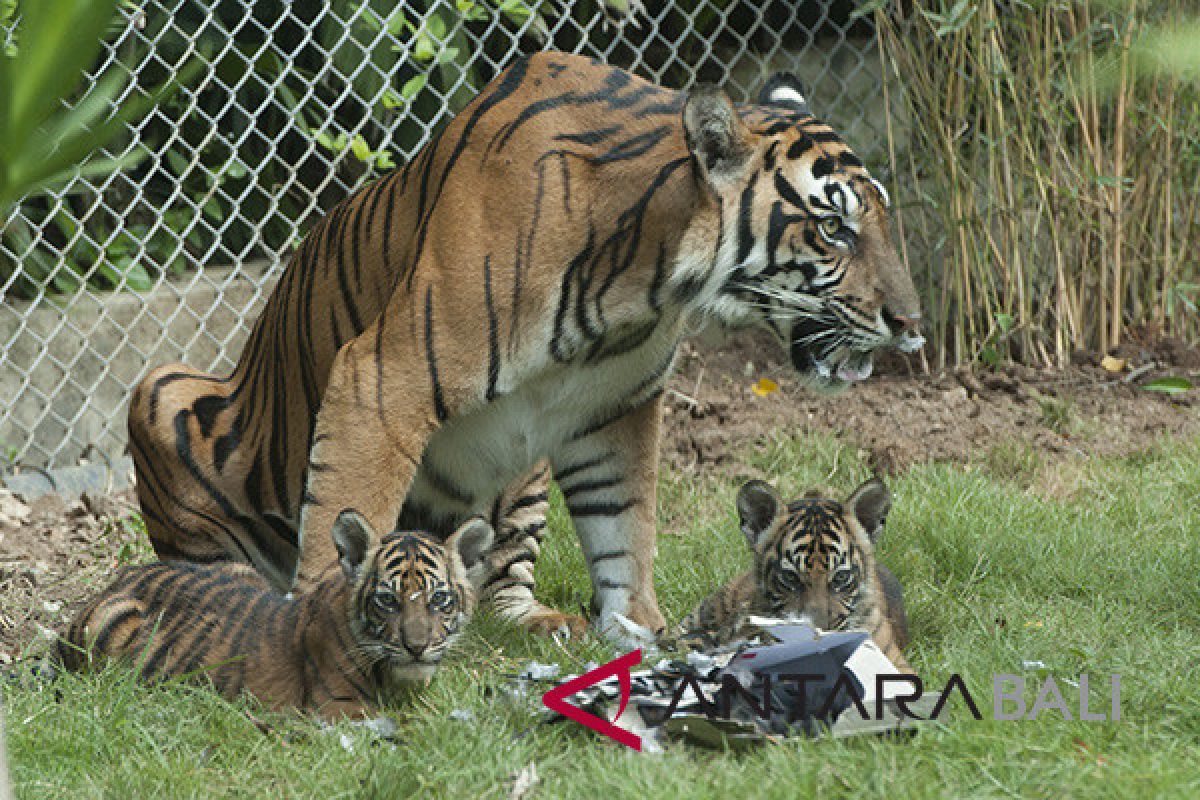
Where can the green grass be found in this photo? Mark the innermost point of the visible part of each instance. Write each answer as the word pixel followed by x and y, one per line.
pixel 995 574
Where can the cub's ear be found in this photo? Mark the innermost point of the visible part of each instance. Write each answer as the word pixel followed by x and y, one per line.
pixel 758 504
pixel 871 503
pixel 352 536
pixel 715 135
pixel 785 90
pixel 472 539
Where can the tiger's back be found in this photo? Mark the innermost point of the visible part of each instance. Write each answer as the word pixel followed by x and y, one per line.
pixel 338 650
pixel 222 461
pixel 167 616
pixel 813 559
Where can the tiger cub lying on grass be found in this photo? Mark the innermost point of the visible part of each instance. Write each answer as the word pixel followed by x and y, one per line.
pixel 813 558
pixel 363 634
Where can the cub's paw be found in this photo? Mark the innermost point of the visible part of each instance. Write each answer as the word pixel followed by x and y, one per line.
pixel 549 622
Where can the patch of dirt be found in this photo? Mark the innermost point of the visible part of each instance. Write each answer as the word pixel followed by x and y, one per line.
pixel 901 417
pixel 1042 424
pixel 52 556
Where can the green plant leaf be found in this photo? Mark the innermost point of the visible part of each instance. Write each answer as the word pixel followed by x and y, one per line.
pixel 391 100
pixel 471 11
pixel 1170 384
pixel 436 26
pixel 424 50
pixel 323 139
pixel 137 278
pixel 413 85
pixel 212 209
pixel 234 169
pixel 61 39
pixel 179 165
pixel 360 149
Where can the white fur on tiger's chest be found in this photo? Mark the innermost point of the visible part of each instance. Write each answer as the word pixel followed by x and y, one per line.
pixel 474 457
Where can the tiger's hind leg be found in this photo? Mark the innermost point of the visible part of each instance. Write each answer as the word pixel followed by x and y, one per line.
pixel 519 519
pixel 190 480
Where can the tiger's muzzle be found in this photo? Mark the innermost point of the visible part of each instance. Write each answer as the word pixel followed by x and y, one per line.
pixel 830 356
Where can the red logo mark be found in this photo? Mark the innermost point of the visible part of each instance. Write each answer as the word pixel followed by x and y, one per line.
pixel 556 699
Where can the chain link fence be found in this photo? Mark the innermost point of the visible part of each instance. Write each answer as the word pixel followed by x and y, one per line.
pixel 300 103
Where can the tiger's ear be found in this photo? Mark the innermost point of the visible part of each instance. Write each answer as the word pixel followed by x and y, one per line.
pixel 352 536
pixel 715 135
pixel 871 503
pixel 758 504
pixel 472 539
pixel 785 90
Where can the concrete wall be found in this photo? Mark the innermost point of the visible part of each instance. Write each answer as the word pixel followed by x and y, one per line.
pixel 66 371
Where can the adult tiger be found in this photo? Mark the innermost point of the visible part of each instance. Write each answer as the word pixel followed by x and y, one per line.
pixel 518 291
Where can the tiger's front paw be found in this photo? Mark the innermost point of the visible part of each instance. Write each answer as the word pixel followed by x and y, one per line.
pixel 625 634
pixel 555 623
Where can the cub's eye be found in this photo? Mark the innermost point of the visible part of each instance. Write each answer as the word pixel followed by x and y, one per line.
pixel 442 600
pixel 386 601
pixel 842 579
pixel 789 580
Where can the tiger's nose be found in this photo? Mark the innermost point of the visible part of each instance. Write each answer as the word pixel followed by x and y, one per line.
pixel 416 647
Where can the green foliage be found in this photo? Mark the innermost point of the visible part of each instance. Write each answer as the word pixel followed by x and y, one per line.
pixel 8 15
pixel 44 142
pixel 990 353
pixel 1171 384
pixel 1050 166
pixel 1171 50
pixel 41 142
pixel 1058 413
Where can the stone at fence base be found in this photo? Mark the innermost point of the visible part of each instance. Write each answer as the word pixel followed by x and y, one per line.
pixel 69 483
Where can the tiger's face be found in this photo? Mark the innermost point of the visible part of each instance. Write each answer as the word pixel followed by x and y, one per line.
pixel 805 243
pixel 411 593
pixel 814 559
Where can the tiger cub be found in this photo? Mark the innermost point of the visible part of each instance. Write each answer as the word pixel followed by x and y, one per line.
pixel 361 636
pixel 813 558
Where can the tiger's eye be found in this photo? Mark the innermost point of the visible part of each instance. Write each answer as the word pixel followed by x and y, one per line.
pixel 831 226
pixel 842 579
pixel 789 580
pixel 385 601
pixel 441 600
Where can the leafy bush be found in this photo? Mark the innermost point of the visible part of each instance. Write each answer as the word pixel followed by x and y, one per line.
pixel 1052 175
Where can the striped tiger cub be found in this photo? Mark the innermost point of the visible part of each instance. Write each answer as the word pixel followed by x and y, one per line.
pixel 362 635
pixel 813 558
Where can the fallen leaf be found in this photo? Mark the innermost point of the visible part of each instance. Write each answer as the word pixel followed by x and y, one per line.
pixel 764 386
pixel 1112 364
pixel 12 511
pixel 523 782
pixel 1086 752
pixel 1168 385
